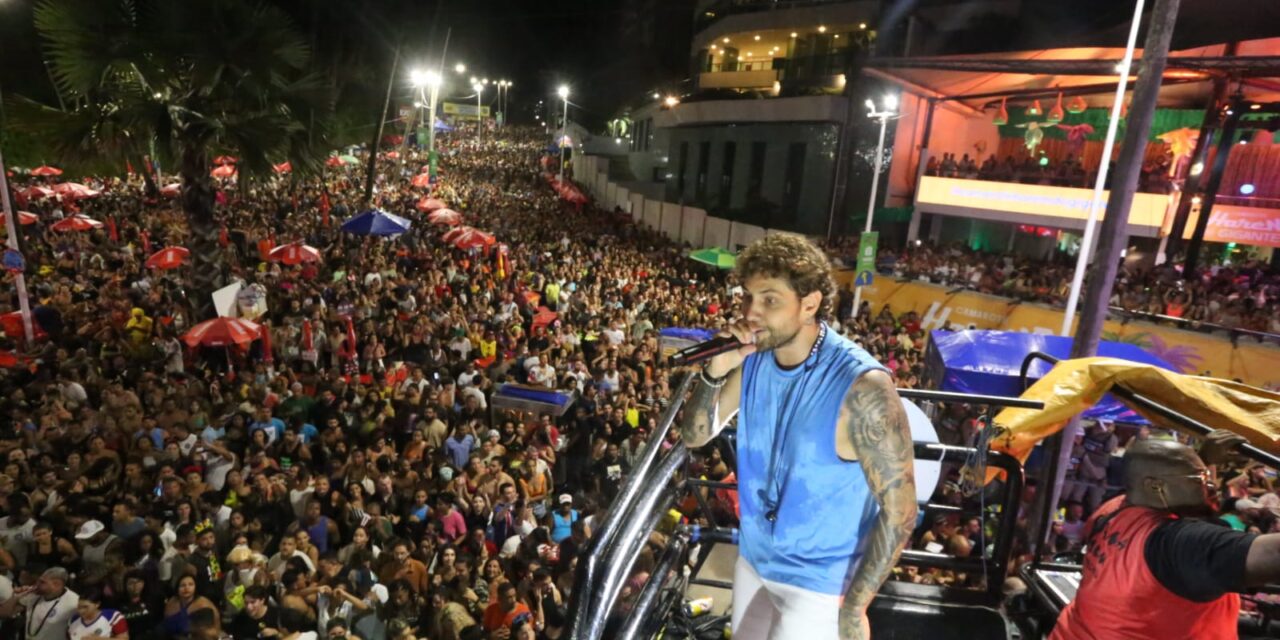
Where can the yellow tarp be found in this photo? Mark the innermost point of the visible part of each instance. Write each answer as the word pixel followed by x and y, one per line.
pixel 1075 385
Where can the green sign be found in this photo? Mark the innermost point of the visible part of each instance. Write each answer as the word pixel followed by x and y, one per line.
pixel 432 159
pixel 866 268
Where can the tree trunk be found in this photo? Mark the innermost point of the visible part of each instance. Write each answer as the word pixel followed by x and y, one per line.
pixel 206 253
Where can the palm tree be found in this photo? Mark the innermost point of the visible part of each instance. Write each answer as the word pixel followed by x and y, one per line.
pixel 193 79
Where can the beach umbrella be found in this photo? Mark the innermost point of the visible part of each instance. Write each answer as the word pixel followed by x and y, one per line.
pixel 715 256
pixel 222 332
pixel 376 223
pixel 36 193
pixel 171 190
pixel 168 258
pixel 294 253
pixel 25 217
pixel 426 204
pixel 453 234
pixel 446 217
pixel 422 180
pixel 46 171
pixel 76 223
pixel 224 171
pixel 474 239
pixel 224 160
pixel 74 191
pixel 283 167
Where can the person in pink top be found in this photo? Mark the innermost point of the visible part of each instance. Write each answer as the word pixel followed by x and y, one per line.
pixel 453 526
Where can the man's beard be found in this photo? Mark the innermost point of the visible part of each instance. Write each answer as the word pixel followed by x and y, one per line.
pixel 772 342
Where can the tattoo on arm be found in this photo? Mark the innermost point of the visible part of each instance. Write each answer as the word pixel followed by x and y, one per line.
pixel 876 424
pixel 696 428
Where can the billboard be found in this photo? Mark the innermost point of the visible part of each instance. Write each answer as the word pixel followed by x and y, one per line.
pixel 1066 207
pixel 463 110
pixel 1244 225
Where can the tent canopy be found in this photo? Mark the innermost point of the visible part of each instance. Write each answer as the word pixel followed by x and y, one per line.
pixel 990 362
pixel 1091 70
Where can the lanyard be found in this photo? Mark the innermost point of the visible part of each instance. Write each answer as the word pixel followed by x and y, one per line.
pixel 776 478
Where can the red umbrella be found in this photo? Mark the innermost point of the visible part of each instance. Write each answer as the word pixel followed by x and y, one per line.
pixel 430 204
pixel 25 217
pixel 171 190
pixel 74 191
pixel 168 258
pixel 333 161
pixel 445 216
pixel 392 155
pixel 474 239
pixel 35 193
pixel 294 253
pixel 225 160
pixel 422 180
pixel 45 171
pixel 453 234
pixel 224 171
pixel 222 332
pixel 283 167
pixel 76 223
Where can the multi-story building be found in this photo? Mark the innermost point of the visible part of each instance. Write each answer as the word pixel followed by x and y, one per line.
pixel 754 134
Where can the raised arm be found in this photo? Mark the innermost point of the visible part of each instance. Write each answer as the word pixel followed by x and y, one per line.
pixel 709 409
pixel 874 421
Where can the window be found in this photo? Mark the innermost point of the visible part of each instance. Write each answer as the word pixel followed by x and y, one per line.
pixel 794 178
pixel 755 175
pixel 684 165
pixel 726 174
pixel 704 162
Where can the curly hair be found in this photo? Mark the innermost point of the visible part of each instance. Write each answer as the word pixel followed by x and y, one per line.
pixel 795 259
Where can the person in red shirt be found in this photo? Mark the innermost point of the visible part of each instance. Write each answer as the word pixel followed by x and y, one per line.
pixel 501 614
pixel 1157 566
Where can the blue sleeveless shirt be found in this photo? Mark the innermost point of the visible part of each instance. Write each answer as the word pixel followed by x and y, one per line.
pixel 787 463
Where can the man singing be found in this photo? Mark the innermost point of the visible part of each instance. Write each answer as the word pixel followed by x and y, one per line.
pixel 824 453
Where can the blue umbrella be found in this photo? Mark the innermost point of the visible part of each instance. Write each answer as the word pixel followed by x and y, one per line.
pixel 441 125
pixel 376 223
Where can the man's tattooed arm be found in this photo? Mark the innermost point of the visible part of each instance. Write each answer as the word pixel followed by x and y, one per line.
pixel 876 424
pixel 699 415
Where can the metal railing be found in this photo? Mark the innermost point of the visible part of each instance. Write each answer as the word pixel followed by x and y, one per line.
pixel 649 491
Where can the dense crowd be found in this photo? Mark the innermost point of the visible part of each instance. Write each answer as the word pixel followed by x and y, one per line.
pixel 353 480
pixel 1238 296
pixel 1032 169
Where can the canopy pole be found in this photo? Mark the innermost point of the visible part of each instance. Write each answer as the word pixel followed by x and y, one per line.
pixel 1112 239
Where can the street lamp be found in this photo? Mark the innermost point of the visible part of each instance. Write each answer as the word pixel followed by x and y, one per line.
pixel 460 68
pixel 889 112
pixel 479 120
pixel 563 92
pixel 423 80
pixel 671 101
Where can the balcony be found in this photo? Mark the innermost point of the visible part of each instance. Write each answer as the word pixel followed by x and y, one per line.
pixel 742 79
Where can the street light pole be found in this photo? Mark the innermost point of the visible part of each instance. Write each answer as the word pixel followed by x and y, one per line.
pixel 889 113
pixel 563 92
pixel 434 80
pixel 479 120
pixel 19 279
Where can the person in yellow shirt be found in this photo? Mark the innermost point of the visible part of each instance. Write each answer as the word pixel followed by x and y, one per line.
pixel 139 326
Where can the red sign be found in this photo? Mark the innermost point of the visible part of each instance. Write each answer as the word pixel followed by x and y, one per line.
pixel 1243 225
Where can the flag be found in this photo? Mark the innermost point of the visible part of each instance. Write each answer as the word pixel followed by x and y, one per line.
pixel 146 243
pixel 111 229
pixel 223 238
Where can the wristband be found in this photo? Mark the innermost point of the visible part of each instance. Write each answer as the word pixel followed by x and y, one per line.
pixel 715 383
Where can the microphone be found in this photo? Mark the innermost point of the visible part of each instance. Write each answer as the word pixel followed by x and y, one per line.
pixel 703 351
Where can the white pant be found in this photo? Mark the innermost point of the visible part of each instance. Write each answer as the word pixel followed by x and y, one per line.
pixel 767 610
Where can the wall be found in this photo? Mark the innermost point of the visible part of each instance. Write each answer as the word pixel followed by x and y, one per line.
pixel 954 131
pixel 679 222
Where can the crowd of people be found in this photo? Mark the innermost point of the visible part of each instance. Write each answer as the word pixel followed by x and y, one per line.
pixel 353 478
pixel 1032 169
pixel 1241 296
